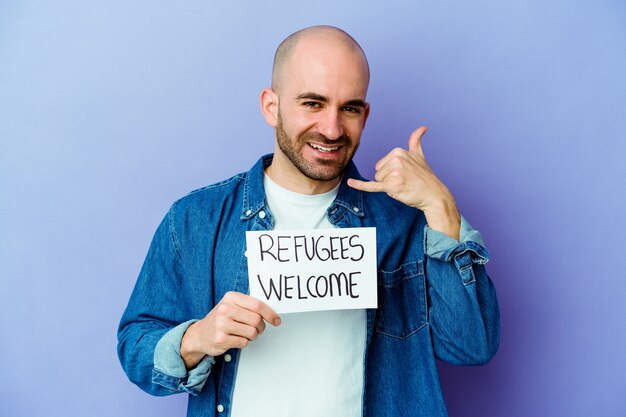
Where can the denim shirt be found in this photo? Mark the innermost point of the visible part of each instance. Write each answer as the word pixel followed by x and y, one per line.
pixel 435 300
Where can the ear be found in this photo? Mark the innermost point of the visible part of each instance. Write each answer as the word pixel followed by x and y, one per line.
pixel 269 106
pixel 366 113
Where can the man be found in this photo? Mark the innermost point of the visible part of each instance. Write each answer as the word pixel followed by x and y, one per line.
pixel 191 327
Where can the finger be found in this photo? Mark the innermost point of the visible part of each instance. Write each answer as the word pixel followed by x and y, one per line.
pixel 415 140
pixel 229 341
pixel 394 165
pixel 257 306
pixel 368 186
pixel 241 330
pixel 394 153
pixel 382 161
pixel 250 318
pixel 381 174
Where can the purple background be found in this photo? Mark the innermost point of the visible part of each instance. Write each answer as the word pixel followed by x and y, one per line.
pixel 110 110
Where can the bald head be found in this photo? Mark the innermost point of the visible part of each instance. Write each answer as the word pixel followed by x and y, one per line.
pixel 310 39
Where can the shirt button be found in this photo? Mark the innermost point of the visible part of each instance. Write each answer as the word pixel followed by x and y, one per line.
pixel 245 254
pixel 356 209
pixel 262 214
pixel 249 212
pixel 227 358
pixel 220 408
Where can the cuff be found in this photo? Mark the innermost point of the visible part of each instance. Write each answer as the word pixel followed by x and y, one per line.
pixel 169 368
pixel 440 246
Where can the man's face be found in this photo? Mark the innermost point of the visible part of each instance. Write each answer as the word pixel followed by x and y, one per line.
pixel 315 155
pixel 322 111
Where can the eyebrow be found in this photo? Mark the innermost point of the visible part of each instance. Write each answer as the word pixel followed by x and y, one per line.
pixel 324 99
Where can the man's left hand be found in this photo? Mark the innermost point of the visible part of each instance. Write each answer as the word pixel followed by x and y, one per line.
pixel 405 176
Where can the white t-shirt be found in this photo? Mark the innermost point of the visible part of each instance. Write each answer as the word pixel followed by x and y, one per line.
pixel 312 364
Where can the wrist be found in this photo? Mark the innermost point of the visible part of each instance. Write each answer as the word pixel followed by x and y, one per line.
pixel 444 217
pixel 189 349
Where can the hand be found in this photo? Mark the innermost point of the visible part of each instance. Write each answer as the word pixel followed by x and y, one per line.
pixel 235 321
pixel 405 176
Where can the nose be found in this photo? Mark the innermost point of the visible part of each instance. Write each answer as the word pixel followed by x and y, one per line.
pixel 330 125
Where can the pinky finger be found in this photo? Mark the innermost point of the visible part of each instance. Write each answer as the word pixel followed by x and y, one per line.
pixel 367 186
pixel 237 342
pixel 227 342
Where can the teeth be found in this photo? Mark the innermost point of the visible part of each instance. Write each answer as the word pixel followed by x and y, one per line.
pixel 323 148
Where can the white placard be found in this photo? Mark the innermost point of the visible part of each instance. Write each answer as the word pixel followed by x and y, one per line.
pixel 312 270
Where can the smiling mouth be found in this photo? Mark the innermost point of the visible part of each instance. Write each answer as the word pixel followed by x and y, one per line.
pixel 324 148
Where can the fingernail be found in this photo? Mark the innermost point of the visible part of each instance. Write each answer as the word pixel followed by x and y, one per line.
pixel 277 322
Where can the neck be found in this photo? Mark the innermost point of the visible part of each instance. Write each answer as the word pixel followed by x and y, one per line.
pixel 285 174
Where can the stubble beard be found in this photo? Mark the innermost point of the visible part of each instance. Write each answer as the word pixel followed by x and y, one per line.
pixel 321 170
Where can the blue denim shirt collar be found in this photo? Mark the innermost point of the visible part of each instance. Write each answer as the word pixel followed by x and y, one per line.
pixel 347 198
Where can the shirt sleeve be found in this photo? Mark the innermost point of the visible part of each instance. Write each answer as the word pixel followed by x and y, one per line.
pixel 463 308
pixel 440 246
pixel 169 367
pixel 159 313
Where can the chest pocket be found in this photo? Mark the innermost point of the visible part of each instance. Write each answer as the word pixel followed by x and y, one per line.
pixel 401 301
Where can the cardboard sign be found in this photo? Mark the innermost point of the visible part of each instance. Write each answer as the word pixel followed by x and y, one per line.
pixel 312 270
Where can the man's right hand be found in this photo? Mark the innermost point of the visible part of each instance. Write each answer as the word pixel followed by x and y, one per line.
pixel 235 321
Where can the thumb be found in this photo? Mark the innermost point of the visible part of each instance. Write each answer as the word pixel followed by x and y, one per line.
pixel 415 141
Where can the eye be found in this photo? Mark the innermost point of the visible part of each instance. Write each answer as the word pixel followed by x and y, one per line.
pixel 351 109
pixel 311 104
